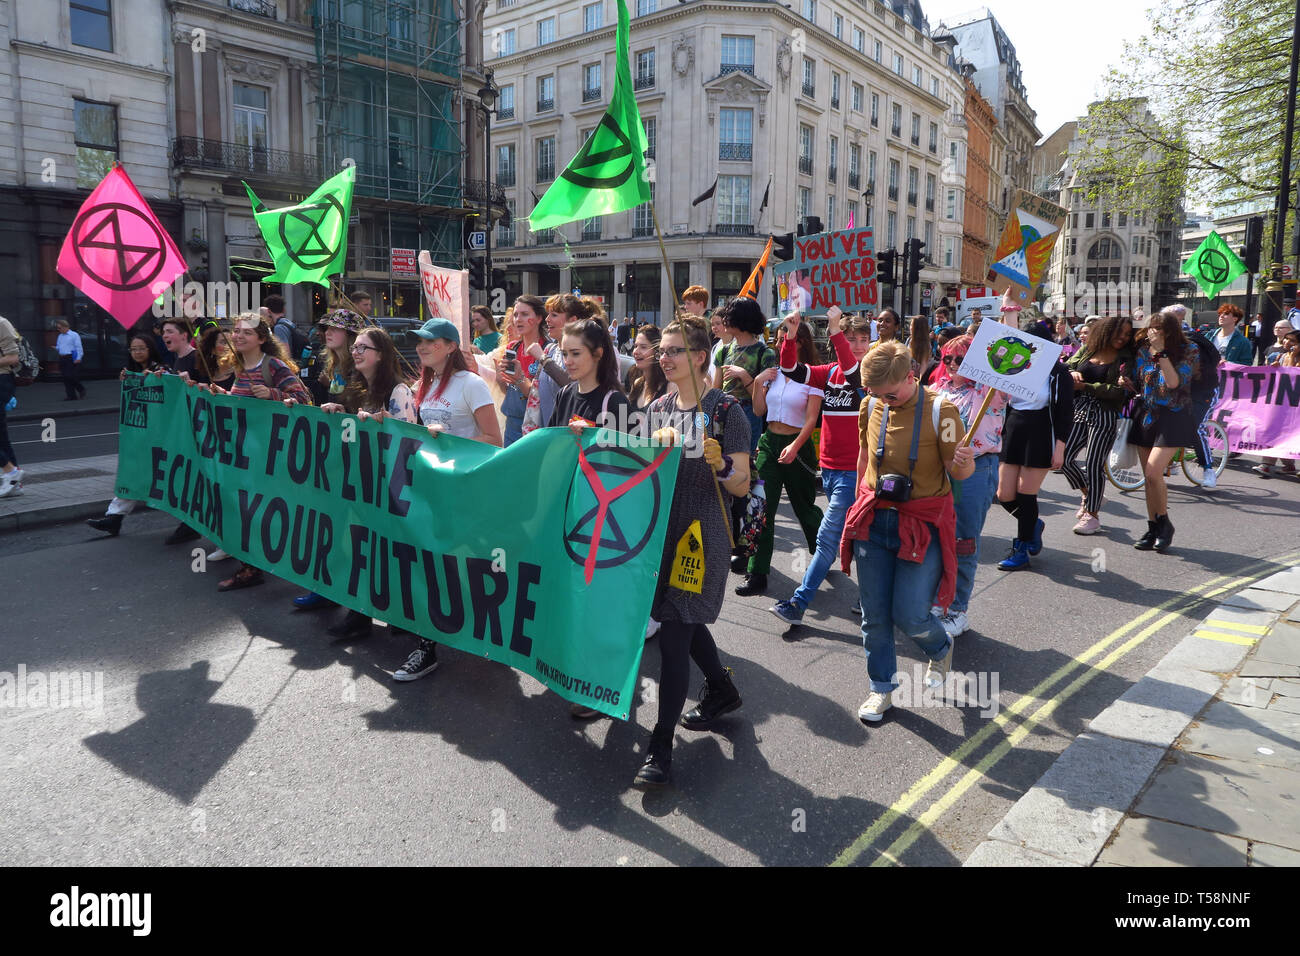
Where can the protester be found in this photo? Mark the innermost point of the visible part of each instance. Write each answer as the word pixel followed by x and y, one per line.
pixel 785 459
pixel 1033 443
pixel 281 325
pixel 1162 424
pixel 921 345
pixel 721 339
pixel 1098 399
pixel 973 496
pixel 1204 393
pixel 902 528
pixel 70 356
pixel 1285 352
pixel 840 383
pixel 695 300
pixel 362 303
pixel 695 525
pixel 484 327
pixel 449 396
pixel 1232 345
pixel 593 394
pixel 215 363
pixel 340 328
pixel 1066 338
pixel 519 375
pixel 887 325
pixel 11 476
pixel 178 337
pixel 262 370
pixel 1276 351
pixel 645 382
pixel 973 325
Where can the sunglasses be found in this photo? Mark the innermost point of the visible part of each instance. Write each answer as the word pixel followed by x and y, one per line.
pixel 952 360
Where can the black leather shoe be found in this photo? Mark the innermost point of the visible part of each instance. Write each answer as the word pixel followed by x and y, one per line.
pixel 1164 535
pixel 1148 540
pixel 353 627
pixel 110 523
pixel 182 534
pixel 658 763
pixel 739 564
pixel 715 701
pixel 754 584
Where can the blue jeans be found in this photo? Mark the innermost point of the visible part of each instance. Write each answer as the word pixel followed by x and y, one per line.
pixel 896 593
pixel 513 407
pixel 840 487
pixel 757 425
pixel 971 499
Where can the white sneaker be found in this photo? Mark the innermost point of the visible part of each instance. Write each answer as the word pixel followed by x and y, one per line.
pixel 874 707
pixel 11 483
pixel 1208 479
pixel 955 624
pixel 936 611
pixel 218 555
pixel 651 629
pixel 936 672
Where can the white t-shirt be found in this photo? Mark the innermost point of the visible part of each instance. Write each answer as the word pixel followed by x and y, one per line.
pixel 454 409
pixel 787 401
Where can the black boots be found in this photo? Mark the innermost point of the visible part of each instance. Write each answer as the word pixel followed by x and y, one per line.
pixel 182 534
pixel 739 562
pixel 1159 536
pixel 1148 540
pixel 754 584
pixel 716 699
pixel 658 762
pixel 110 523
pixel 354 626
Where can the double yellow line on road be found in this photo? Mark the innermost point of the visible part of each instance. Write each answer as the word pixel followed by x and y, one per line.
pixel 1163 614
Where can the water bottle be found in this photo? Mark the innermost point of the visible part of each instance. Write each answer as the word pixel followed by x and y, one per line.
pixel 12 403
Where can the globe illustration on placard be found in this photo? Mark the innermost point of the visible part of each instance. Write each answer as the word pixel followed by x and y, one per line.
pixel 1009 356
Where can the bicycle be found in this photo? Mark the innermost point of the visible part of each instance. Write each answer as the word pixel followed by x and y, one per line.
pixel 1133 479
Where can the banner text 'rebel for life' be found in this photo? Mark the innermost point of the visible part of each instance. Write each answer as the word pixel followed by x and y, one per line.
pixel 483 549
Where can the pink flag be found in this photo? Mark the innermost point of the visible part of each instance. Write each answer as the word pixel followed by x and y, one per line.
pixel 850 224
pixel 117 251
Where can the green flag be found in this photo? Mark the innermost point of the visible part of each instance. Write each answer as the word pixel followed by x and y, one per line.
pixel 1213 265
pixel 608 174
pixel 308 241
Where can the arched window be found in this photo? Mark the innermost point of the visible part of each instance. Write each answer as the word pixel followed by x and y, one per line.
pixel 1105 249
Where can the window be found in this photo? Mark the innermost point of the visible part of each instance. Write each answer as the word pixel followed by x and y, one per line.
pixel 833 155
pixel 1073 247
pixel 1088 220
pixel 593 17
pixel 1105 249
pixel 1137 246
pixel 912 176
pixel 645 70
pixel 1123 220
pixel 736 132
pixel 856 101
pixel 950 207
pixel 916 76
pixel 871 170
pixel 506 102
pixel 934 138
pixel 877 52
pixel 643 221
pixel 929 192
pixel 916 129
pixel 805 201
pixel 835 91
pixel 875 109
pixel 250 122
pixel 809 77
pixel 837 26
pixel 859 40
pixel 92 24
pixel 893 178
pixel 96 139
pixel 1074 219
pixel 1105 220
pixel 644 7
pixel 896 119
pixel 506 165
pixel 870 216
pixel 507 45
pixel 934 86
pixel 546 31
pixel 929 236
pixel 949 248
pixel 852 208
pixel 591 228
pixel 805 150
pixel 891 229
pixel 590 82
pixel 545 93
pixel 898 63
pixel 911 227
pixel 737 54
pixel 830 213
pixel 546 159
pixel 855 166
pixel 506 234
pixel 810 10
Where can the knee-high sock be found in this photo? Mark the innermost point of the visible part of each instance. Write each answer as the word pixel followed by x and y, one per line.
pixel 1026 516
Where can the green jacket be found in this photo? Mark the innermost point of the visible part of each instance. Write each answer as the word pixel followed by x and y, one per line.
pixel 1109 393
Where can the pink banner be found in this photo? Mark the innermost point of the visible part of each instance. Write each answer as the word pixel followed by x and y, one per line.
pixel 1259 407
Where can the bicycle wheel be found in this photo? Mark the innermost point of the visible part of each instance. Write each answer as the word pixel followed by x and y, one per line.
pixel 1126 479
pixel 1218 455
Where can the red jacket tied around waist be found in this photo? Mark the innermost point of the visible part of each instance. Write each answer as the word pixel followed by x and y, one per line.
pixel 914 520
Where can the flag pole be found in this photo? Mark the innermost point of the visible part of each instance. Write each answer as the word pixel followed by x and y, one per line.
pixel 695 385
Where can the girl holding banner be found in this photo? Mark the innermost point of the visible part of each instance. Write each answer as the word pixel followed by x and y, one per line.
pixel 693 572
pixel 340 328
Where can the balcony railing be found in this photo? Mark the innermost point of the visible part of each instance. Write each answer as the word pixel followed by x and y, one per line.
pixel 916 140
pixel 810 90
pixel 855 180
pixel 893 193
pixel 831 174
pixel 644 81
pixel 643 230
pixel 911 199
pixel 590 94
pixel 875 121
pixel 591 230
pixel 196 152
pixel 545 106
pixel 734 229
pixel 805 165
pixel 835 102
pixel 505 177
pixel 740 151
pixel 543 237
pixel 896 131
pixel 934 148
pixel 260 8
pixel 736 68
pixel 929 205
pixel 505 112
pixel 545 173
pixel 476 191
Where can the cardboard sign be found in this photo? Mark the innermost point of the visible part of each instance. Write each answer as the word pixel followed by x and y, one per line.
pixel 1022 254
pixel 447 293
pixel 830 268
pixel 1012 361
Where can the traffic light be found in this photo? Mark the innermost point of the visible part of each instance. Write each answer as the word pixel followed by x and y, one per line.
pixel 912 260
pixel 477 274
pixel 810 225
pixel 498 278
pixel 1254 241
pixel 885 266
pixel 783 247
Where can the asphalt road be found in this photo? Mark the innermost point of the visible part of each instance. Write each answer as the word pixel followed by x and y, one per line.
pixel 82 436
pixel 232 732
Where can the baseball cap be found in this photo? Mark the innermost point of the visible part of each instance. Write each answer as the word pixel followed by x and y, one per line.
pixel 438 329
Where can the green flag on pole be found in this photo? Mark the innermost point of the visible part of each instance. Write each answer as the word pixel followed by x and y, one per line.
pixel 608 173
pixel 1213 265
pixel 308 241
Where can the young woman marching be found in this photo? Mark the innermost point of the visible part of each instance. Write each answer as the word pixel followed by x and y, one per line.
pixel 722 431
pixel 519 376
pixel 1166 364
pixel 484 326
pixel 593 394
pixel 553 376
pixel 1033 443
pixel 262 370
pixel 645 382
pixel 785 458
pixel 340 328
pixel 1098 398
pixel 841 387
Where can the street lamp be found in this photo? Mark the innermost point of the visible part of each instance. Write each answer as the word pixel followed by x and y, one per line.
pixel 487 98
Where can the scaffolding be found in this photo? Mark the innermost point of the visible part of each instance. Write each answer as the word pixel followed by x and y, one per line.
pixel 391 101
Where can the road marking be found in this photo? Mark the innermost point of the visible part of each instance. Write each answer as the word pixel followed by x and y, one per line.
pixel 1226 638
pixel 950 763
pixel 1236 626
pixel 38 441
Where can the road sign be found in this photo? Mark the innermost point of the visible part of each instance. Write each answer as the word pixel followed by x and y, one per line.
pixel 478 240
pixel 403 264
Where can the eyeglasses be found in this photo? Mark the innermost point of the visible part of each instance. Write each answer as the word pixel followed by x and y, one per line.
pixel 358 348
pixel 672 352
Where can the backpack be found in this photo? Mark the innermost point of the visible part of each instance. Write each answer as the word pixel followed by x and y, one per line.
pixel 28 369
pixel 298 340
pixel 751 526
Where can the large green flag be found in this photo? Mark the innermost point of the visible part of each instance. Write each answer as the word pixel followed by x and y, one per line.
pixel 608 174
pixel 544 556
pixel 1213 265
pixel 308 241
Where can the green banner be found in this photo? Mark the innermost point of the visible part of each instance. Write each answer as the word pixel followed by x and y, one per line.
pixel 608 174
pixel 308 241
pixel 538 556
pixel 1213 265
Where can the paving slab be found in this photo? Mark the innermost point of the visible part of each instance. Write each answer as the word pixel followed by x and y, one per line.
pixel 1281 645
pixel 1287 581
pixel 1075 806
pixel 1248 691
pixel 1287 686
pixel 1268 669
pixel 1141 841
pixel 995 853
pixel 1265 854
pixel 1256 599
pixel 1285 705
pixel 1294 614
pixel 1246 733
pixel 1202 654
pixel 1254 801
pixel 1157 709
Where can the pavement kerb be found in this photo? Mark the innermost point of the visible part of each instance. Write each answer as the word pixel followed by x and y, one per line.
pixel 1076 808
pixel 23 418
pixel 76 511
